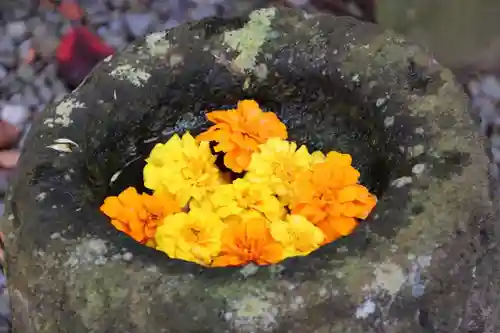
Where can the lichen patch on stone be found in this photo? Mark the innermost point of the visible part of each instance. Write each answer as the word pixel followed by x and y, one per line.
pixel 389 277
pixel 297 303
pixel 249 39
pixel 88 252
pixel 423 105
pixel 41 196
pixel 402 181
pixel 381 101
pixel 252 312
pixel 419 130
pixel 389 121
pixel 248 270
pixel 63 112
pixel 416 150
pixel 418 168
pixel 127 256
pixel 157 44
pixel 135 76
pixel 55 235
pixel 175 59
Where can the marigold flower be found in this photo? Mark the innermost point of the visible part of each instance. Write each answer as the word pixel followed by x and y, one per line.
pixel 238 132
pixel 278 163
pixel 328 195
pixel 182 167
pixel 298 236
pixel 244 198
pixel 138 215
pixel 194 236
pixel 245 241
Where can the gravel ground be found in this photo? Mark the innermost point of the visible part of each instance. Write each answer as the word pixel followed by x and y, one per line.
pixel 26 87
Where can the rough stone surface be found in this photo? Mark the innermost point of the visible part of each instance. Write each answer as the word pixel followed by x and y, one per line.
pixel 420 264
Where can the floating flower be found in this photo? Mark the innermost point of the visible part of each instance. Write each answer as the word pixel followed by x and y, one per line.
pixel 245 241
pixel 138 215
pixel 297 235
pixel 182 167
pixel 194 236
pixel 278 163
pixel 245 198
pixel 328 195
pixel 238 132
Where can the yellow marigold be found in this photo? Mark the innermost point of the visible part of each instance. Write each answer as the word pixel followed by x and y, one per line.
pixel 138 215
pixel 245 241
pixel 238 132
pixel 329 196
pixel 297 235
pixel 244 198
pixel 278 163
pixel 182 167
pixel 194 236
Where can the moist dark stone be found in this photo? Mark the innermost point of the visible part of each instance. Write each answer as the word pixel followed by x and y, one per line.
pixel 418 264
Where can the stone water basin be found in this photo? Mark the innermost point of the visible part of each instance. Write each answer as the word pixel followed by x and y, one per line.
pixel 338 84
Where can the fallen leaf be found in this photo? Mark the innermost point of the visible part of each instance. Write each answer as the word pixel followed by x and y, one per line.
pixel 115 176
pixel 66 141
pixel 8 134
pixel 9 158
pixel 62 147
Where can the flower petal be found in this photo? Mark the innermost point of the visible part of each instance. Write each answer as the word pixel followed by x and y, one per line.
pixel 344 225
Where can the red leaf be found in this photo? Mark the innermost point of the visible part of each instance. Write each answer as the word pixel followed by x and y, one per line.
pixel 80 50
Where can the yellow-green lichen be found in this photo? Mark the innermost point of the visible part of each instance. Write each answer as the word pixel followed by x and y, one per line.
pixel 249 39
pixel 384 49
pixel 135 76
pixel 446 102
pixel 63 112
pixel 157 44
pixel 388 277
pixel 175 59
pixel 251 312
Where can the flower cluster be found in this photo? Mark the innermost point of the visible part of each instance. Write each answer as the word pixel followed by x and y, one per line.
pixel 278 201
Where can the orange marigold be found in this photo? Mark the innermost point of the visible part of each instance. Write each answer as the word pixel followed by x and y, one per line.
pixel 138 215
pixel 239 132
pixel 245 241
pixel 329 196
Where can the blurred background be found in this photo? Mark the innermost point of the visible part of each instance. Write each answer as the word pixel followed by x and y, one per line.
pixel 47 47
